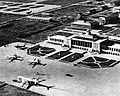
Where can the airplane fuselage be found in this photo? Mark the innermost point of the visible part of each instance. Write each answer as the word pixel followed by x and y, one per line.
pixel 25 80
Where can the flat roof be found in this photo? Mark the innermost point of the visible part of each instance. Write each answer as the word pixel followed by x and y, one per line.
pixel 58 37
pixel 78 28
pixel 115 46
pixel 66 34
pixel 81 22
pixel 90 39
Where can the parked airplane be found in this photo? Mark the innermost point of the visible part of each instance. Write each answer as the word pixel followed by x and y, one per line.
pixel 21 47
pixel 31 82
pixel 14 57
pixel 35 62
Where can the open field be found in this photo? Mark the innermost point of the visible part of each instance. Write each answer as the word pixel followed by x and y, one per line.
pixel 23 28
pixel 85 81
pixel 4 17
pixel 70 10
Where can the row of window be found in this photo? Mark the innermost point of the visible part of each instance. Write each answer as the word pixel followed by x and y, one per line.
pixel 113 53
pixel 81 43
pixel 80 48
pixel 58 40
pixel 112 49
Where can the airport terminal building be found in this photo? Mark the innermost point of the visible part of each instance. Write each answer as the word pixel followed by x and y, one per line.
pixel 87 42
pixel 80 36
pixel 77 36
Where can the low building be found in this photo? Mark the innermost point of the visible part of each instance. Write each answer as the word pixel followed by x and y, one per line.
pixel 81 24
pixel 79 27
pixel 110 47
pixel 79 35
pixel 87 42
pixel 61 38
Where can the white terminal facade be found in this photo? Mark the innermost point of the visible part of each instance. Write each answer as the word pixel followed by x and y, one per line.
pixel 80 36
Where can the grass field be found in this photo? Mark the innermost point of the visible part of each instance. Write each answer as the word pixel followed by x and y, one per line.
pixel 59 55
pixel 93 63
pixel 23 28
pixel 43 50
pixel 72 57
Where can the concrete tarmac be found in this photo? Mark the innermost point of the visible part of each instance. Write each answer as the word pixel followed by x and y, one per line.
pixel 85 81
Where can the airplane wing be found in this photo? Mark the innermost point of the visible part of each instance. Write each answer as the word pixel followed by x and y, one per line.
pixel 34 65
pixel 29 85
pixel 19 57
pixel 34 59
pixel 31 63
pixel 44 64
pixel 11 60
pixel 48 87
pixel 17 46
pixel 23 83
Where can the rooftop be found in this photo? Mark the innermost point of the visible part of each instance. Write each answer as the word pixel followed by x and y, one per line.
pixel 63 34
pixel 58 37
pixel 87 38
pixel 115 46
pixel 81 22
